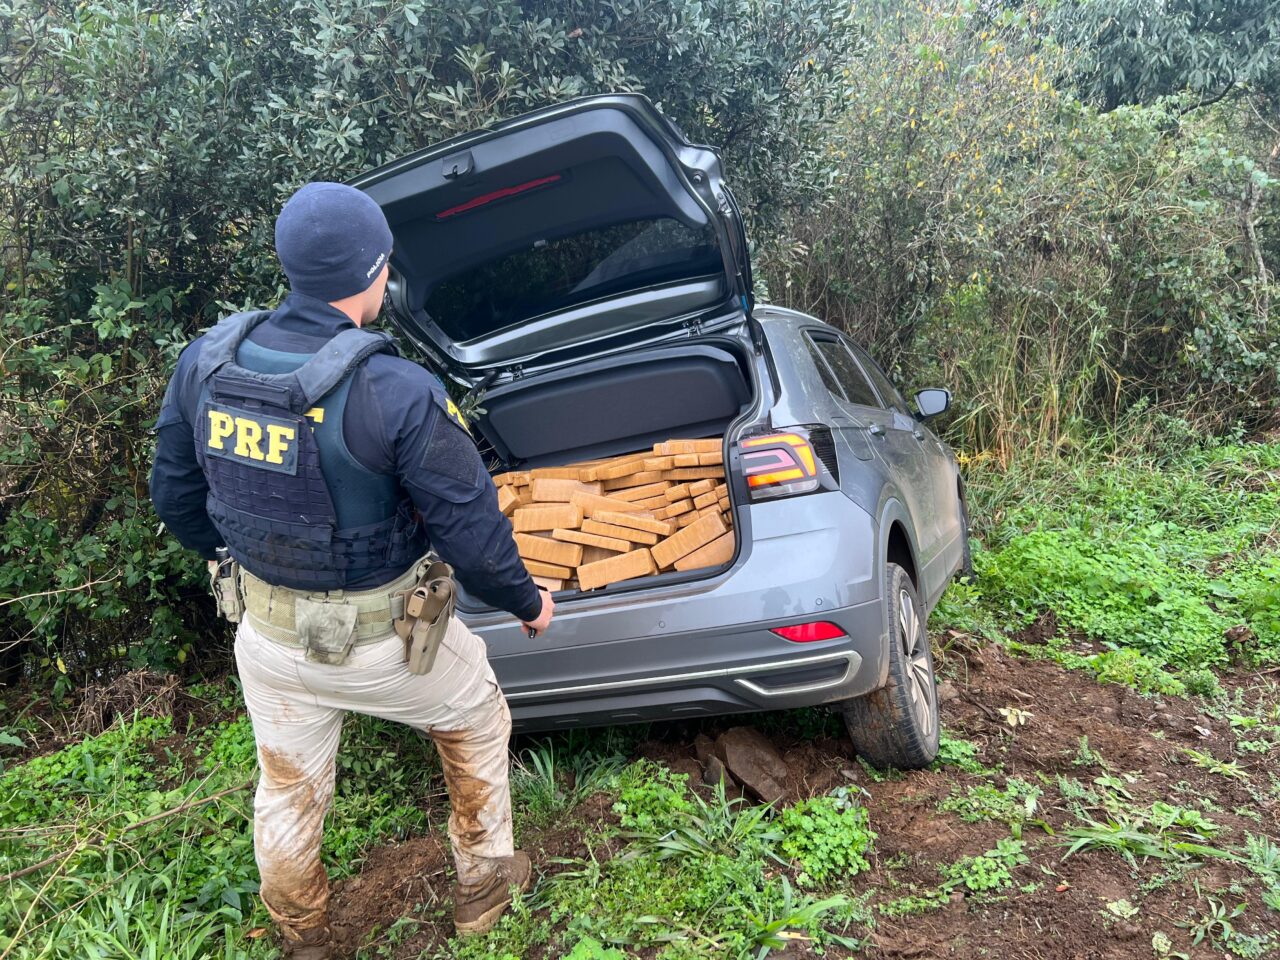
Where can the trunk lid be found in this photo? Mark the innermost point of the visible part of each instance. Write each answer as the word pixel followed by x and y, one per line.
pixel 561 234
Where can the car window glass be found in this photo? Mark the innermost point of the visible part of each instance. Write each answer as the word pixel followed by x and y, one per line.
pixel 824 371
pixel 887 390
pixel 856 386
pixel 563 272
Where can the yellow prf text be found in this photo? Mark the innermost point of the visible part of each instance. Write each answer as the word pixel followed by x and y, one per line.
pixel 247 436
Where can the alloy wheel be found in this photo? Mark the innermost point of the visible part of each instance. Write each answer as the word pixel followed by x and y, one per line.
pixel 915 649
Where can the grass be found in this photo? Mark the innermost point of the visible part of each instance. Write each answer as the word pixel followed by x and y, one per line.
pixel 1147 565
pixel 694 876
pixel 1139 566
pixel 547 781
pixel 183 884
pixel 1162 831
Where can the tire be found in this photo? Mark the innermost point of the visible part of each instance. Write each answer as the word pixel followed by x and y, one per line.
pixel 898 725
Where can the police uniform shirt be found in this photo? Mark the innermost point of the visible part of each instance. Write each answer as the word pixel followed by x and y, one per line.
pixel 398 421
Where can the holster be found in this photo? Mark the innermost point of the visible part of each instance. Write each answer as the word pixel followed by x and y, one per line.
pixel 427 609
pixel 224 584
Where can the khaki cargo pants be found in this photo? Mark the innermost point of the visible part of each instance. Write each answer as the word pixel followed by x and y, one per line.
pixel 297 708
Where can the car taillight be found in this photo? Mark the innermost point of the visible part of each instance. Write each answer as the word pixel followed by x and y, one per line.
pixel 779 464
pixel 810 632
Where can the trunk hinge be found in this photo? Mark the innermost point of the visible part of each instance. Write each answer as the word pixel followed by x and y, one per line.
pixel 473 396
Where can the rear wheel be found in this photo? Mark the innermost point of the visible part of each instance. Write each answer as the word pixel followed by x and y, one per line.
pixel 897 725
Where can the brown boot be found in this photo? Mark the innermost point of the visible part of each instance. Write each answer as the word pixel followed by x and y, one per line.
pixel 314 943
pixel 477 907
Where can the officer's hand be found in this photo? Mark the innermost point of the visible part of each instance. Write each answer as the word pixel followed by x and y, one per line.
pixel 213 568
pixel 544 618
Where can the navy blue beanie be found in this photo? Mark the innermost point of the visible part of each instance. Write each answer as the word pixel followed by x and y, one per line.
pixel 332 241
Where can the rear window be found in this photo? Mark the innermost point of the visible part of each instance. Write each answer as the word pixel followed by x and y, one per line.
pixel 856 386
pixel 551 275
pixel 887 390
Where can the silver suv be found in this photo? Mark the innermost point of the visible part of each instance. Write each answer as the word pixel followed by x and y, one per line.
pixel 581 273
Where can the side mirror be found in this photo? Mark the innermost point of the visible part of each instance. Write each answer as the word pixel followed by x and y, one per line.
pixel 932 402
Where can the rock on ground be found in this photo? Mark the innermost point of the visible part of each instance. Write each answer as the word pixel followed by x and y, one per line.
pixel 754 762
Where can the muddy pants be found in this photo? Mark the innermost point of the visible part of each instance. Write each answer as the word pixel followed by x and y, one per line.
pixel 297 709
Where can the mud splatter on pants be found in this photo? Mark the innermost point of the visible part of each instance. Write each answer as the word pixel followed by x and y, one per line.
pixel 297 709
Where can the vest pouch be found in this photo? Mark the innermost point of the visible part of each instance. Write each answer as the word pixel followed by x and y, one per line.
pixel 224 583
pixel 327 629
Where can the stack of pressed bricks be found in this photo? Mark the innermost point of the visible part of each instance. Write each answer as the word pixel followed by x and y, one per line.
pixel 587 525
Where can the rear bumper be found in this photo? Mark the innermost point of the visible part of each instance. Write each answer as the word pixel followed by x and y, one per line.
pixel 705 647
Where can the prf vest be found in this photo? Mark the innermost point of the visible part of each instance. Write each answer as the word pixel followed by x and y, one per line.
pixel 294 507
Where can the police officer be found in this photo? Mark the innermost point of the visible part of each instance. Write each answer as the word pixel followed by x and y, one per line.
pixel 328 466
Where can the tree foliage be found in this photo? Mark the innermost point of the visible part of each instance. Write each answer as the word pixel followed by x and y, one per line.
pixel 1136 51
pixel 1049 261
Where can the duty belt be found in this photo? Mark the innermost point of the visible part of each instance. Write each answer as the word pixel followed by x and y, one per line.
pixel 270 608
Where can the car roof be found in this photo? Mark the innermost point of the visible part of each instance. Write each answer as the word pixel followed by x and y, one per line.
pixel 774 318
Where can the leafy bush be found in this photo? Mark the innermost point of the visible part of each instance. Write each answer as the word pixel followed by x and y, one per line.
pixel 829 837
pixel 987 871
pixel 1052 263
pixel 652 798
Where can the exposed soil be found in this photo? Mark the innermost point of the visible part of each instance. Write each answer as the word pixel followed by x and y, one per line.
pixel 409 879
pixel 1140 738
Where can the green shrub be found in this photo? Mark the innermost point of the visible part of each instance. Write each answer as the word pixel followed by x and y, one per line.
pixel 987 871
pixel 829 837
pixel 1052 269
pixel 652 798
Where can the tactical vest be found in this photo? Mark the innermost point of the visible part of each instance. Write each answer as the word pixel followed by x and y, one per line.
pixel 293 505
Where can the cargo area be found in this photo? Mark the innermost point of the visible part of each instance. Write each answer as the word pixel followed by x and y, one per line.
pixel 585 525
pixel 611 470
pixel 617 405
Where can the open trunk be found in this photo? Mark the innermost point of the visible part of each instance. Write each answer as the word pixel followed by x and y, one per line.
pixel 583 270
pixel 559 235
pixel 630 454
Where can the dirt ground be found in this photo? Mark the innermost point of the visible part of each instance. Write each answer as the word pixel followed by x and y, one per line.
pixel 1064 917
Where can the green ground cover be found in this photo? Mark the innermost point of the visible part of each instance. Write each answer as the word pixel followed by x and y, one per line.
pixel 137 842
pixel 1169 564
